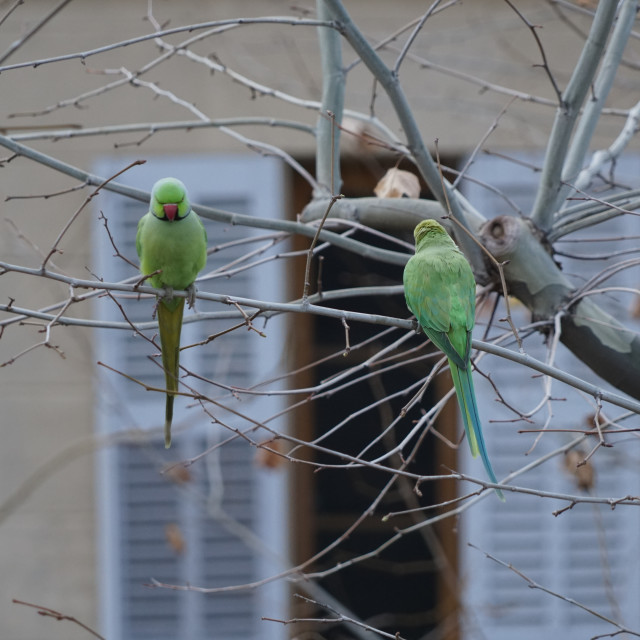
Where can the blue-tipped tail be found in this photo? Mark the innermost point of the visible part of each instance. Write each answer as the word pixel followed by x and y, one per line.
pixel 463 382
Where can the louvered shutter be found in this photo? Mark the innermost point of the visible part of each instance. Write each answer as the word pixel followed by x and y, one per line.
pixel 590 553
pixel 223 520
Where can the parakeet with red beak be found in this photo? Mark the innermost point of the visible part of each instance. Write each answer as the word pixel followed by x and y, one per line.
pixel 172 241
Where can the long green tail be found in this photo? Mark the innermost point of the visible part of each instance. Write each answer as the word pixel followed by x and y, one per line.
pixel 463 382
pixel 170 324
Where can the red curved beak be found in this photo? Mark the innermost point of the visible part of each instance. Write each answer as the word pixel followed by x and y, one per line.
pixel 170 210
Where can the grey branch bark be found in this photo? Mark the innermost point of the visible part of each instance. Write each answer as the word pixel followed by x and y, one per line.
pixel 546 203
pixel 391 215
pixel 593 335
pixel 288 226
pixel 532 276
pixel 587 330
pixel 601 88
pixel 448 197
pixel 333 85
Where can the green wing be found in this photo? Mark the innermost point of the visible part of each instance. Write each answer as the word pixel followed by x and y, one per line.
pixel 440 291
pixel 202 261
pixel 139 235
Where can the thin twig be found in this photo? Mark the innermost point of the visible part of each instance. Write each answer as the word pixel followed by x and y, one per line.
pixel 340 617
pixel 113 243
pixel 601 441
pixel 33 30
pixel 375 253
pixel 307 268
pixel 46 196
pixel 545 65
pixel 10 10
pixel 248 320
pixel 485 137
pixel 332 201
pixel 52 613
pixel 347 345
pixel 307 307
pixel 534 585
pixel 413 36
pixel 50 133
pixel 83 55
pixel 54 247
pixel 47 340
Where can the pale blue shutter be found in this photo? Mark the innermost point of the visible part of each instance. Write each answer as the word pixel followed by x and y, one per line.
pixel 590 553
pixel 229 515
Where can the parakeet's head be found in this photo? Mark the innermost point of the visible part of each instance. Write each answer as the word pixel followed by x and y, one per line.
pixel 429 229
pixel 169 200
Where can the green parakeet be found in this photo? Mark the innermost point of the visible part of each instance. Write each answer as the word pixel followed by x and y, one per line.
pixel 171 239
pixel 440 289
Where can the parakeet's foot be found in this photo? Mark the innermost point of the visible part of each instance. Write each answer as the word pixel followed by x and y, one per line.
pixel 191 295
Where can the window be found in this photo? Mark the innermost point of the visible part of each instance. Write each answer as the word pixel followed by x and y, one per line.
pixel 223 520
pixel 400 590
pixel 589 553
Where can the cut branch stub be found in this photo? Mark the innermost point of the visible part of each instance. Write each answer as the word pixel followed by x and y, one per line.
pixel 532 275
pixel 588 331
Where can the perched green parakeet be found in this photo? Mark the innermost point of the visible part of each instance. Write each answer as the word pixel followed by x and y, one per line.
pixel 440 291
pixel 171 239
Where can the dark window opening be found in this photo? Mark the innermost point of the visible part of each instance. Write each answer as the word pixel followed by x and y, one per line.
pixel 403 589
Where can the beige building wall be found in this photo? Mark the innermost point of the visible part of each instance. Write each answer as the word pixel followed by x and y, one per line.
pixel 47 499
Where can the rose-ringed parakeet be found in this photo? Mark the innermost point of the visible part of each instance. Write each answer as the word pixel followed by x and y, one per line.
pixel 172 240
pixel 440 291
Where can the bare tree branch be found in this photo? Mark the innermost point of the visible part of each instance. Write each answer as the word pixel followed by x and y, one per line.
pixel 83 55
pixel 601 88
pixel 546 203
